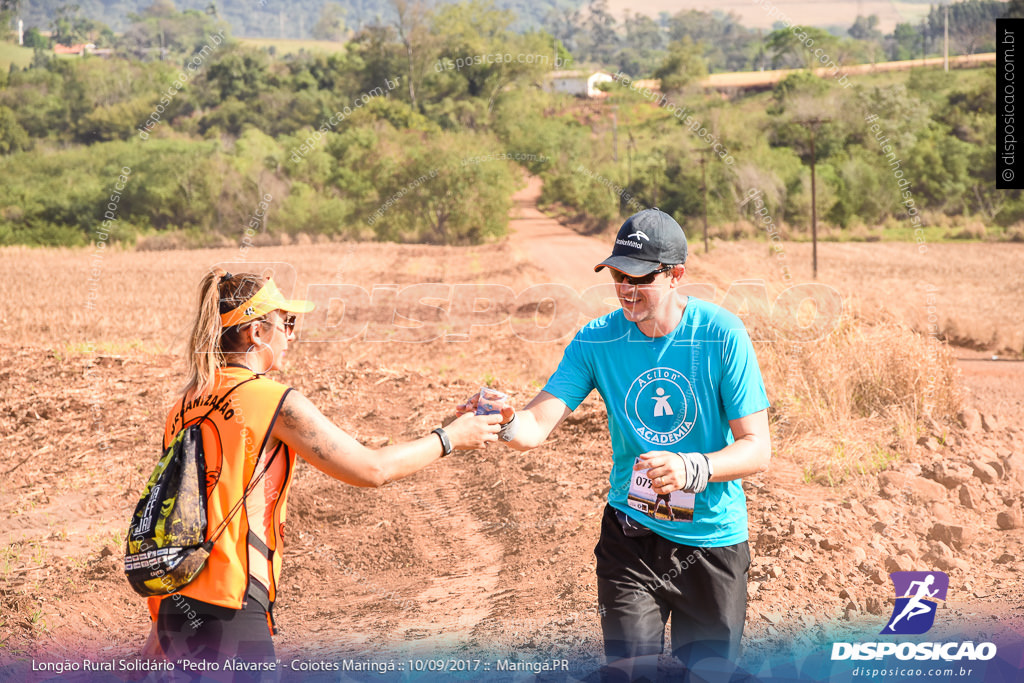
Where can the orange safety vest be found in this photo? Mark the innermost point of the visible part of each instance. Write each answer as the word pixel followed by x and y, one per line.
pixel 245 562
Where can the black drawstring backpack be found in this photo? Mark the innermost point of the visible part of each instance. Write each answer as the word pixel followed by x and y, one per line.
pixel 167 546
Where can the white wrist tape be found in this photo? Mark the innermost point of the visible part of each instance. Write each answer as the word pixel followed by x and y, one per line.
pixel 507 432
pixel 698 471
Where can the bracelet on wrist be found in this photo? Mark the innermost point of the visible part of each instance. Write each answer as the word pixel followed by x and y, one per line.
pixel 446 443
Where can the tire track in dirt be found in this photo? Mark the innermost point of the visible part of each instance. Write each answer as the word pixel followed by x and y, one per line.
pixel 456 604
pixel 453 604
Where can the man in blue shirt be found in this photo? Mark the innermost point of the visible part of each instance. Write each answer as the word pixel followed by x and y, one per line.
pixel 687 413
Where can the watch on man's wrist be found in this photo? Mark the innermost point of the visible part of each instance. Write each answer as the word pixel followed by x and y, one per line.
pixel 446 443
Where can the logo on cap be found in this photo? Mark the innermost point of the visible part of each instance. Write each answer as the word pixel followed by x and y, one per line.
pixel 249 311
pixel 639 233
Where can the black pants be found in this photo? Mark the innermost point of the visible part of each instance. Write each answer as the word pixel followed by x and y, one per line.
pixel 200 632
pixel 642 580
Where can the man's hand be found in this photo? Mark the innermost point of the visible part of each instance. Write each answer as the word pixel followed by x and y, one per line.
pixel 670 472
pixel 472 431
pixel 507 410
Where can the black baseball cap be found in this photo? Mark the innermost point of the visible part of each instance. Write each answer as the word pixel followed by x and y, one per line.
pixel 646 240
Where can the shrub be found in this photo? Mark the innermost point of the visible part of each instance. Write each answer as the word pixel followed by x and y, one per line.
pixel 849 403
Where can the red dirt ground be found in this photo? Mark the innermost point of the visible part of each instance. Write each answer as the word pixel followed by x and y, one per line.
pixel 487 552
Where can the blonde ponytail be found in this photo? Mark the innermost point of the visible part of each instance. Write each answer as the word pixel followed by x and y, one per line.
pixel 207 339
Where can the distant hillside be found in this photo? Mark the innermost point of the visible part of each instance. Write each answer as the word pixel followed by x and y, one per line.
pixel 276 19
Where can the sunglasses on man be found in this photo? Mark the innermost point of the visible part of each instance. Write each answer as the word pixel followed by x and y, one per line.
pixel 622 278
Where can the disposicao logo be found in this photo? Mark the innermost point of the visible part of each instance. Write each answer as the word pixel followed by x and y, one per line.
pixel 917 596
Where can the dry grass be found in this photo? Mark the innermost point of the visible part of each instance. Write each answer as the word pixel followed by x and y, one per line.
pixel 805 12
pixel 858 399
pixel 854 400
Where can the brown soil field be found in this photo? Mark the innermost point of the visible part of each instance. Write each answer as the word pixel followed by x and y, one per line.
pixel 490 553
pixel 803 12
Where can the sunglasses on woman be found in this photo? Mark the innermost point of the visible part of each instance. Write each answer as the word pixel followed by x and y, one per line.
pixel 288 321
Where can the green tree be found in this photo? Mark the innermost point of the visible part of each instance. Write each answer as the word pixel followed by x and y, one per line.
pixel 117 121
pixel 644 45
pixel 34 39
pixel 437 194
pixel 865 28
pixel 477 33
pixel 565 24
pixel 726 44
pixel 239 73
pixel 70 27
pixel 599 40
pixel 330 25
pixel 939 165
pixel 904 43
pixel 682 66
pixel 13 138
pixel 420 46
pixel 8 10
pixel 161 29
pixel 970 24
pixel 67 28
pixel 375 54
pixel 794 47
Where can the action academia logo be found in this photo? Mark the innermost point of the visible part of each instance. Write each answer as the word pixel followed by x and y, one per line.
pixel 917 596
pixel 661 406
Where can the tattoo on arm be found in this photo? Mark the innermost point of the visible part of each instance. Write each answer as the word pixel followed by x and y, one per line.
pixel 305 427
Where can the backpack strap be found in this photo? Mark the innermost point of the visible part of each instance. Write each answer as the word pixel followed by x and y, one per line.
pixel 222 527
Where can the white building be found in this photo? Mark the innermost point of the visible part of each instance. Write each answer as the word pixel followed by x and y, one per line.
pixel 579 83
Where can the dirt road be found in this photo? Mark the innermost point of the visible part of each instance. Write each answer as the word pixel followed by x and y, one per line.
pixel 563 255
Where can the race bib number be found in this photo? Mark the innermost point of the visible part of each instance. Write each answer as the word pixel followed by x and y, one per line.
pixel 673 507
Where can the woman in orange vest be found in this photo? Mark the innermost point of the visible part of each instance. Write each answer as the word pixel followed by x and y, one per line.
pixel 240 333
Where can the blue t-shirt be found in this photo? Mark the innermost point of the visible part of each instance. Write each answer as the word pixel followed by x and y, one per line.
pixel 673 393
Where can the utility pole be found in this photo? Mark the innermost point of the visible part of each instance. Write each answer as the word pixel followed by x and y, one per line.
pixel 812 125
pixel 704 191
pixel 630 150
pixel 814 215
pixel 924 43
pixel 615 133
pixel 945 40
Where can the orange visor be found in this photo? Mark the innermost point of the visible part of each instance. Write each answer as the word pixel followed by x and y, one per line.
pixel 268 299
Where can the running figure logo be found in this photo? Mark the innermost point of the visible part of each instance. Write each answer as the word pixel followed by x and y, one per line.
pixel 917 596
pixel 661 405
